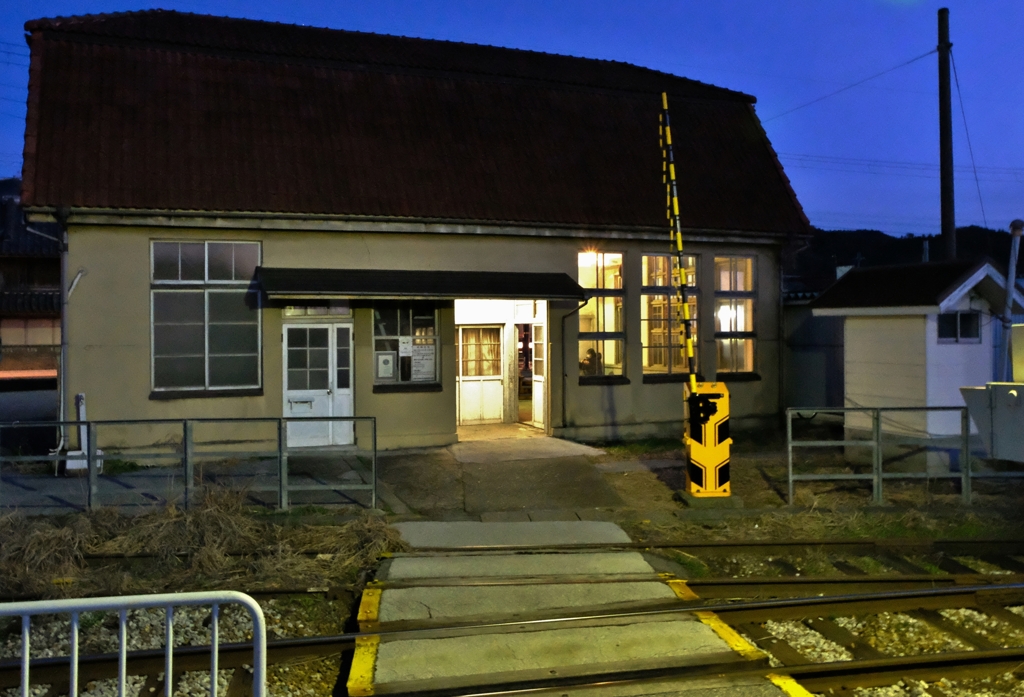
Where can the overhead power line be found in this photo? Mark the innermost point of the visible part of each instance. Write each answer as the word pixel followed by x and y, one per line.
pixel 851 86
pixel 858 165
pixel 963 113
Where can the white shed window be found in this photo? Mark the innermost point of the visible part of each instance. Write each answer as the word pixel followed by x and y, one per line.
pixel 960 328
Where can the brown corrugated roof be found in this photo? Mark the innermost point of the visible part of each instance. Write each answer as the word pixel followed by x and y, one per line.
pixel 163 110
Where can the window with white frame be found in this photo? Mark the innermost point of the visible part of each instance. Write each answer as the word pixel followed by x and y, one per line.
pixel 205 319
pixel 960 328
pixel 735 296
pixel 405 346
pixel 661 317
pixel 602 333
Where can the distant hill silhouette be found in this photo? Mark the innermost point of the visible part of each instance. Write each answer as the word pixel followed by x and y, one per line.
pixel 812 268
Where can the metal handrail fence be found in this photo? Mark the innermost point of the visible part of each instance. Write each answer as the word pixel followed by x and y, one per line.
pixel 878 476
pixel 188 456
pixel 122 604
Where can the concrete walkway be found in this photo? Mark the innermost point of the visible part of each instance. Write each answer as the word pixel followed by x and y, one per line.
pixel 425 590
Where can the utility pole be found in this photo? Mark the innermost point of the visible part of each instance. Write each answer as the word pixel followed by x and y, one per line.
pixel 1006 370
pixel 946 139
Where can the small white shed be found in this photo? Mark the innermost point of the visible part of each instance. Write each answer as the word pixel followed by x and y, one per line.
pixel 914 334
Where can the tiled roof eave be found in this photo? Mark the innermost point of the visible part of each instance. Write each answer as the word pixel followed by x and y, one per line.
pixel 341 222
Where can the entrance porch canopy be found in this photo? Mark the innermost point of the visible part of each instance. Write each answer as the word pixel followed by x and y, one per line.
pixel 324 284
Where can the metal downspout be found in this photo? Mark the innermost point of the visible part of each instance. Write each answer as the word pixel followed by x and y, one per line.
pixel 61 214
pixel 565 372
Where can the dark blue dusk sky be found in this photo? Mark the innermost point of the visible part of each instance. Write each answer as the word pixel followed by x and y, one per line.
pixel 866 158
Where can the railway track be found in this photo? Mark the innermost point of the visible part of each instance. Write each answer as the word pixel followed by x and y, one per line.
pixel 748 606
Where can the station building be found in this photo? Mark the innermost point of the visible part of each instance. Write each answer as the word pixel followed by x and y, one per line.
pixel 279 220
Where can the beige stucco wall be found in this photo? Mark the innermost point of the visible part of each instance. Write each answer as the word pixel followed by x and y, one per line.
pixel 109 334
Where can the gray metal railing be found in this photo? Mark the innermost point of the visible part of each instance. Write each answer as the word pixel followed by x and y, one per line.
pixel 878 476
pixel 94 458
pixel 122 604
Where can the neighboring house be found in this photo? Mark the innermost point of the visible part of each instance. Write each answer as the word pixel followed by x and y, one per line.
pixel 29 296
pixel 914 335
pixel 282 220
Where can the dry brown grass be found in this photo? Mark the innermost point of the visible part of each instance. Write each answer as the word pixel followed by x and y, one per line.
pixel 215 544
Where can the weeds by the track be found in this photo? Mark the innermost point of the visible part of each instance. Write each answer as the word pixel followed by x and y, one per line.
pixel 215 544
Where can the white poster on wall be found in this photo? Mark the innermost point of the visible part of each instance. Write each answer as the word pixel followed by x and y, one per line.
pixel 423 363
pixel 405 346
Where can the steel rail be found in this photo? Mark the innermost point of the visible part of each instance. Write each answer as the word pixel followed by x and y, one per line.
pixel 815 677
pixel 54 670
pixel 965 547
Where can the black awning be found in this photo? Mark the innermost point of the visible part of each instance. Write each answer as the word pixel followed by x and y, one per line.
pixel 311 284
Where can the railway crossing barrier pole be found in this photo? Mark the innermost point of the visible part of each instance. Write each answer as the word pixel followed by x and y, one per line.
pixel 186 447
pixel 94 484
pixel 965 457
pixel 282 465
pixel 876 465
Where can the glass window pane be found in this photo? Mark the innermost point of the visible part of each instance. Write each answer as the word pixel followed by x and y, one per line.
pixel 656 270
pixel 220 261
pixel 165 261
pixel 734 315
pixel 231 306
pixel 744 274
pixel 386 345
pixel 385 321
pixel 297 359
pixel 298 379
pixel 611 271
pixel 297 338
pixel 233 338
pixel 318 337
pixel 343 379
pixel 404 317
pixel 947 326
pixel 178 372
pixel 723 274
pixel 735 355
pixel 601 357
pixel 423 324
pixel 178 340
pixel 247 258
pixel 234 371
pixel 193 261
pixel 175 307
pixel 318 358
pixel 587 264
pixel 318 379
pixel 970 325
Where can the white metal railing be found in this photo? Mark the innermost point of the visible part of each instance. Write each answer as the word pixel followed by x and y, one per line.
pixel 122 604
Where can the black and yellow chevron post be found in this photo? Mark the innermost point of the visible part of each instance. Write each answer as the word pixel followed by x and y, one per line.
pixel 707 439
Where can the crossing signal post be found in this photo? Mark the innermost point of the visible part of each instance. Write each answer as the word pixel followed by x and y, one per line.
pixel 707 439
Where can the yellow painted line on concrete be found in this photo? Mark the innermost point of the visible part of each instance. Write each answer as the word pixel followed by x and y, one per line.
pixel 682 590
pixel 364 661
pixel 790 686
pixel 730 636
pixel 369 605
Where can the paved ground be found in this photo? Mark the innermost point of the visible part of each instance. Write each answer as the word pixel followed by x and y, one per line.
pixel 502 473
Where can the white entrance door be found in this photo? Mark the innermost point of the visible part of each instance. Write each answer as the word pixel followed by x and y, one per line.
pixel 539 350
pixel 481 390
pixel 318 382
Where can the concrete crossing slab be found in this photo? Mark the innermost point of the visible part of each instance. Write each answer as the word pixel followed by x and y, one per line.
pixel 504 565
pixel 557 651
pixel 399 604
pixel 452 535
